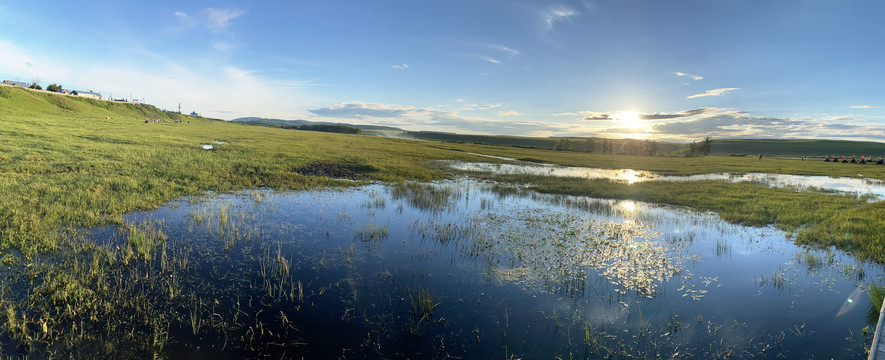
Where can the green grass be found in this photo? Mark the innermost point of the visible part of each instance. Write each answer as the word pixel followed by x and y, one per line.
pixel 821 219
pixel 63 164
pixel 800 147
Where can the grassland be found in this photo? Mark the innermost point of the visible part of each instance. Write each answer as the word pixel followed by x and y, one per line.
pixel 64 164
pixel 799 147
pixel 68 162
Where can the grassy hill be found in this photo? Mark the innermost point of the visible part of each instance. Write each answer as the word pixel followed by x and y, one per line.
pixel 320 126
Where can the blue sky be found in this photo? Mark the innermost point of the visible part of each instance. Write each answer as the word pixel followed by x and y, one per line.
pixel 669 70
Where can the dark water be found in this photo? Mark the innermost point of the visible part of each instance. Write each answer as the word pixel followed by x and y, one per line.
pixel 457 270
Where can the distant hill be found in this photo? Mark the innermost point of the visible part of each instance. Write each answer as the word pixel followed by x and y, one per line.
pixel 749 147
pixel 805 147
pixel 307 125
pixel 619 145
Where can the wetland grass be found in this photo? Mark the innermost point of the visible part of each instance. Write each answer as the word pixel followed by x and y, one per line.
pixel 147 291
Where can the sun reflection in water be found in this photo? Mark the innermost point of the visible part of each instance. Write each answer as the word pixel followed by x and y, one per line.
pixel 628 208
pixel 629 176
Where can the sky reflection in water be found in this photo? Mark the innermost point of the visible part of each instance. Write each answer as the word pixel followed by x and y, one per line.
pixel 542 275
pixel 872 187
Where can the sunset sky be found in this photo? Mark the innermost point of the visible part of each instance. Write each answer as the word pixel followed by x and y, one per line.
pixel 668 70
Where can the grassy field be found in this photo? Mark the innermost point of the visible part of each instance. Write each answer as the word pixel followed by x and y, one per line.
pixel 64 164
pixel 747 147
pixel 804 147
pixel 68 163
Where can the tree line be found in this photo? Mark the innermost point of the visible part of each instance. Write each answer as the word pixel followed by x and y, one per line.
pixel 628 146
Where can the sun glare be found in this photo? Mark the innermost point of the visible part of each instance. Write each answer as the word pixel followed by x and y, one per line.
pixel 629 119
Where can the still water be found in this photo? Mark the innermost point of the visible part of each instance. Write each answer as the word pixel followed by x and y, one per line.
pixel 871 187
pixel 472 270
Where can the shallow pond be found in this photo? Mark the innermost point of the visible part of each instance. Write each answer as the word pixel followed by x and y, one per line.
pixel 871 187
pixel 471 270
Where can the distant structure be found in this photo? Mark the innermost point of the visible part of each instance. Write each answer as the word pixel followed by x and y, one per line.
pixel 16 83
pixel 194 113
pixel 87 94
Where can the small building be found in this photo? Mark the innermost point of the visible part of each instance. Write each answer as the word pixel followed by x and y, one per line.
pixel 16 83
pixel 87 94
pixel 194 113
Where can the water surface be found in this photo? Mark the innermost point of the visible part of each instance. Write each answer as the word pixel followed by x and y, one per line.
pixel 461 270
pixel 858 186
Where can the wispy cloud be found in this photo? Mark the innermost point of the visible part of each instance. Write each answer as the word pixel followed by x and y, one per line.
pixel 681 114
pixel 358 109
pixel 489 59
pixel 509 113
pixel 714 92
pixel 218 20
pixel 409 117
pixel 864 106
pixel 593 115
pixel 493 53
pixel 553 15
pixel 566 114
pixel 693 77
pixel 400 67
pixel 506 50
pixel 489 106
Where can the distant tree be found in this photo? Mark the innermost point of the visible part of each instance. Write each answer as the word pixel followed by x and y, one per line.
pixel 562 145
pixel 651 147
pixel 54 87
pixel 607 147
pixel 588 146
pixel 693 148
pixel 35 86
pixel 632 147
pixel 703 147
pixel 707 145
pixel 574 145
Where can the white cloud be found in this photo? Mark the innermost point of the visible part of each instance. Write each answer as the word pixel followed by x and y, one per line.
pixel 400 67
pixel 566 114
pixel 510 52
pixel 864 106
pixel 223 46
pixel 489 59
pixel 489 106
pixel 203 87
pixel 412 118
pixel 509 113
pixel 218 20
pixel 714 92
pixel 554 15
pixel 693 77
pixel 459 100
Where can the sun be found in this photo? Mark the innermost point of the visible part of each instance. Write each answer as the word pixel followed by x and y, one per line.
pixel 629 119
